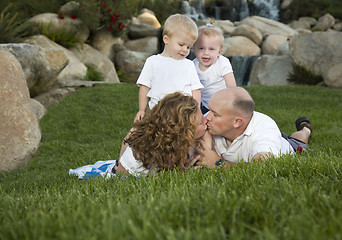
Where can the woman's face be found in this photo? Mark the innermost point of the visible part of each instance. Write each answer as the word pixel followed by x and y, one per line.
pixel 202 125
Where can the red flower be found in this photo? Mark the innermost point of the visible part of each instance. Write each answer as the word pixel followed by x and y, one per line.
pixel 117 15
pixel 102 4
pixel 74 16
pixel 110 28
pixel 60 16
pixel 109 10
pixel 112 19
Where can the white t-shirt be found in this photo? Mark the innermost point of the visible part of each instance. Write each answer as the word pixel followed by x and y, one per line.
pixel 166 75
pixel 133 166
pixel 212 78
pixel 261 135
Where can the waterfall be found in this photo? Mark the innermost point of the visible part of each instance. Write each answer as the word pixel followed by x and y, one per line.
pixel 266 8
pixel 242 67
pixel 233 10
pixel 194 9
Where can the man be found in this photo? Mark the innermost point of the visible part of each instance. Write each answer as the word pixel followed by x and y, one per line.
pixel 240 134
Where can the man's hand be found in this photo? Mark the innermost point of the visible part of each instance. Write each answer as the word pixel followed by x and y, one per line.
pixel 207 152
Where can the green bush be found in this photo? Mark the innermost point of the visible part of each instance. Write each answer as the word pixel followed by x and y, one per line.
pixel 301 75
pixel 314 8
pixel 11 28
pixel 64 37
pixel 92 73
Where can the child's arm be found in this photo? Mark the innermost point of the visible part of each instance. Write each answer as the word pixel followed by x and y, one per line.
pixel 196 94
pixel 143 99
pixel 230 80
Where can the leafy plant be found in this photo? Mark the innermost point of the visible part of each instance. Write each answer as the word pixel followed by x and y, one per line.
pixel 301 75
pixel 92 73
pixel 314 8
pixel 11 28
pixel 64 37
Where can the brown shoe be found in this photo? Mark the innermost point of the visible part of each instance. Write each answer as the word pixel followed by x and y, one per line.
pixel 303 122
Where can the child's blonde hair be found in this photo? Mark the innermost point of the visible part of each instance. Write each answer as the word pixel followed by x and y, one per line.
pixel 211 30
pixel 178 22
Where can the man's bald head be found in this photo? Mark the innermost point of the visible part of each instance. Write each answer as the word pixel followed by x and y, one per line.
pixel 237 98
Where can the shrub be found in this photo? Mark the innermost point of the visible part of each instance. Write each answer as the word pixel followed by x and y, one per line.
pixel 64 37
pixel 92 73
pixel 11 28
pixel 315 8
pixel 301 75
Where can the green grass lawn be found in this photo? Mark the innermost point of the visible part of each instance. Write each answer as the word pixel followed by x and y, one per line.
pixel 294 197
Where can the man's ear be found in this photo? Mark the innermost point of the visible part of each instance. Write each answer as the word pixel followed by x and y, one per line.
pixel 238 122
pixel 165 39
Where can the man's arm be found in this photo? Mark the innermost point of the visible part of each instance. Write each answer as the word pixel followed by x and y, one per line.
pixel 209 156
pixel 262 156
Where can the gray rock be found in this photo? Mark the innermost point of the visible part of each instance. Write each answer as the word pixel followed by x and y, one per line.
pixel 75 69
pixel 249 32
pixel 271 70
pixel 130 63
pixel 20 132
pixel 88 55
pixel 325 22
pixel 240 46
pixel 142 30
pixel 317 51
pixel 268 26
pixel 147 44
pixel 334 76
pixel 41 66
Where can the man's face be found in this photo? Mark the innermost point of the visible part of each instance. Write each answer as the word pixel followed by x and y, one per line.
pixel 220 118
pixel 202 126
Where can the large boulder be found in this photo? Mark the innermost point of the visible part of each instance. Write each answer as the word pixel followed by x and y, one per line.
pixel 104 41
pixel 75 69
pixel 88 55
pixel 226 26
pixel 271 70
pixel 142 30
pixel 317 51
pixel 148 44
pixel 271 44
pixel 130 63
pixel 303 23
pixel 147 17
pixel 240 46
pixel 325 22
pixel 334 76
pixel 41 65
pixel 20 132
pixel 268 26
pixel 51 22
pixel 249 32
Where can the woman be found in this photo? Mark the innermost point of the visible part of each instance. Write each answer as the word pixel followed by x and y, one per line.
pixel 163 139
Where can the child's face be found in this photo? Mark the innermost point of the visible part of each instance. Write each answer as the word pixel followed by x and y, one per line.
pixel 207 50
pixel 178 45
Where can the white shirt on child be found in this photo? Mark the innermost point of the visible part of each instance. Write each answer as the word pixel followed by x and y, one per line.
pixel 212 78
pixel 164 75
pixel 261 135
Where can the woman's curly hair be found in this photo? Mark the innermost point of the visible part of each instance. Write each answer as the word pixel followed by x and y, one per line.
pixel 163 138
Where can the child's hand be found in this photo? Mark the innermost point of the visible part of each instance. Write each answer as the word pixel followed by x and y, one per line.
pixel 139 115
